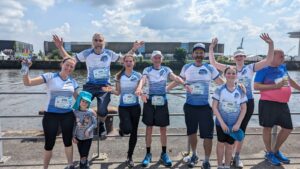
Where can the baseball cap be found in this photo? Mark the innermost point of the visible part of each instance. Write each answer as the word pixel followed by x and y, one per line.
pixel 239 52
pixel 157 52
pixel 199 46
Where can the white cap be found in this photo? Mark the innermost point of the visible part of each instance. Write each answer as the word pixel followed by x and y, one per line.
pixel 157 52
pixel 239 52
pixel 199 46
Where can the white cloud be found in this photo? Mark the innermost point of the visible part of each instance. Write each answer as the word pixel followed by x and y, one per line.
pixel 61 31
pixel 44 4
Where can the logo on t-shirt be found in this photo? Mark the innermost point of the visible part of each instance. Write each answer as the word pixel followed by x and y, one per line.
pixel 104 58
pixel 244 72
pixel 162 72
pixel 236 95
pixel 133 78
pixel 202 71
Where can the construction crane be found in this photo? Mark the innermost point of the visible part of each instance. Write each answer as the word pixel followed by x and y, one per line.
pixel 241 45
pixel 288 51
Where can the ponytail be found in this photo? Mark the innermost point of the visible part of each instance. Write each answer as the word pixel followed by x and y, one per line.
pixel 119 74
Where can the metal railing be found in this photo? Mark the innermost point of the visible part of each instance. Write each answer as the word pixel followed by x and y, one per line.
pixel 97 138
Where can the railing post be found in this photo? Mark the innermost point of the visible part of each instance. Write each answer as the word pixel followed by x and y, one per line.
pixel 274 137
pixel 2 158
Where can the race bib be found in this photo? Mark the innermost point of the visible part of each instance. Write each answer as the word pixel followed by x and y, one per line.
pixel 63 102
pixel 197 88
pixel 100 73
pixel 244 80
pixel 129 99
pixel 229 107
pixel 158 100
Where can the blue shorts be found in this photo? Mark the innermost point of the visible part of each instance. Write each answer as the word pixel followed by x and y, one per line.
pixel 103 98
pixel 199 117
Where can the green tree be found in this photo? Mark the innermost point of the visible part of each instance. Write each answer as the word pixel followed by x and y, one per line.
pixel 180 55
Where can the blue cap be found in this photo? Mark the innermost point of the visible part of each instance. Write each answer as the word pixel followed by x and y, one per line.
pixel 85 96
pixel 237 135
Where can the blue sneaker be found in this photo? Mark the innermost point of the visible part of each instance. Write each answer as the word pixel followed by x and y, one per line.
pixel 165 159
pixel 206 165
pixel 147 160
pixel 282 158
pixel 270 156
pixel 193 161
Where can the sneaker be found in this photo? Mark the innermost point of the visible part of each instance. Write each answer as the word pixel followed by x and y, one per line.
pixel 84 165
pixel 272 159
pixel 194 160
pixel 237 162
pixel 147 160
pixel 70 167
pixel 165 159
pixel 129 163
pixel 102 131
pixel 282 158
pixel 206 165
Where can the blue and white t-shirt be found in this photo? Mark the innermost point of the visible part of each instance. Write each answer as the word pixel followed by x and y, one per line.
pixel 245 77
pixel 128 86
pixel 157 79
pixel 199 78
pixel 229 103
pixel 59 92
pixel 98 66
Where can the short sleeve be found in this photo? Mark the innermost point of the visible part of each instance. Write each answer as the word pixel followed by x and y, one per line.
pixel 81 57
pixel 182 72
pixel 47 76
pixel 244 98
pixel 217 93
pixel 214 72
pixel 114 56
pixel 260 75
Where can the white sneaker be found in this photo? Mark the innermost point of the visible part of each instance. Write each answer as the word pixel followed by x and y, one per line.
pixel 237 162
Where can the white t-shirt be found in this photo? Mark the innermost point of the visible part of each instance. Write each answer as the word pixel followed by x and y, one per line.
pixel 245 77
pixel 229 103
pixel 98 66
pixel 199 78
pixel 128 86
pixel 59 93
pixel 157 80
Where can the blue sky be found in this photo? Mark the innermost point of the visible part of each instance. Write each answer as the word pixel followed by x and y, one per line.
pixel 34 21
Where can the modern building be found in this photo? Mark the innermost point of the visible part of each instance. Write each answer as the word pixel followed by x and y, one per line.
pixel 16 48
pixel 167 48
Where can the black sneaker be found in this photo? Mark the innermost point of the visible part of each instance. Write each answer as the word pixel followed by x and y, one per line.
pixel 70 167
pixel 206 165
pixel 129 163
pixel 84 165
pixel 193 161
pixel 102 131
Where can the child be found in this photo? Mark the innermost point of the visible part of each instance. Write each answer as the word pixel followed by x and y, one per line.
pixel 84 126
pixel 229 106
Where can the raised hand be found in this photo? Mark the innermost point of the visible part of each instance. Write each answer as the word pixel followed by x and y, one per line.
pixel 213 43
pixel 58 41
pixel 137 44
pixel 266 38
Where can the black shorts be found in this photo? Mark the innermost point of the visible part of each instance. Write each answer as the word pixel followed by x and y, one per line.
pixel 199 117
pixel 222 137
pixel 248 115
pixel 274 113
pixel 156 115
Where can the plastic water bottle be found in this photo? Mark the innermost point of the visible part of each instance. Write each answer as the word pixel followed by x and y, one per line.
pixel 25 67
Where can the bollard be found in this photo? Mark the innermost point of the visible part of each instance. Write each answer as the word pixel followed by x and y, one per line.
pixel 274 137
pixel 3 158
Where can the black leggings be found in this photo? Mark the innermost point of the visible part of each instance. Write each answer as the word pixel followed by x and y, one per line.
pixel 249 112
pixel 51 123
pixel 84 147
pixel 129 121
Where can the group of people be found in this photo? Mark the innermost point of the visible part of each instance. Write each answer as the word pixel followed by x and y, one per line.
pixel 233 102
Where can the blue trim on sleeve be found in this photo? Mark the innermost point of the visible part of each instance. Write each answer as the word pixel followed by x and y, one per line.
pixel 216 76
pixel 44 78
